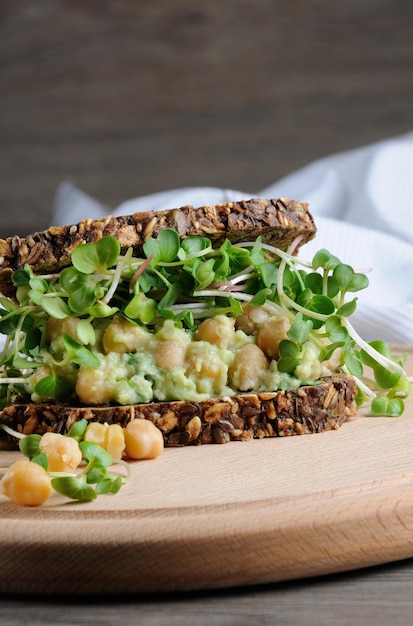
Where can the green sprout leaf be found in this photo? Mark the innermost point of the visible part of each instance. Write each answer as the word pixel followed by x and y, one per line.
pixel 353 361
pixel 239 258
pixel 55 387
pixel 171 296
pixel 300 329
pixel 381 347
pixel 21 277
pixel 79 354
pixel 327 351
pixel 38 284
pixel 96 473
pixel 358 282
pixel 348 308
pixel 96 256
pixel 141 308
pixel 335 330
pixel 54 306
pixel 314 282
pixel 30 445
pixel 86 332
pixel 80 287
pixel 321 304
pixel 101 310
pixel 256 254
pixel 203 273
pixel 74 487
pixel 401 389
pixel 289 356
pixel 110 484
pixel 384 378
pixel 78 429
pixel 95 454
pixel 269 273
pixel 32 341
pixel 10 322
pixel 192 246
pixel 235 307
pixel 390 407
pixel 261 297
pixel 41 459
pixel 163 249
pixel 343 275
pixel 325 260
pixel 8 306
pixel 222 266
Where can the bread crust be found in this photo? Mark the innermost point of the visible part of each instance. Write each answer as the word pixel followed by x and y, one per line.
pixel 315 408
pixel 278 221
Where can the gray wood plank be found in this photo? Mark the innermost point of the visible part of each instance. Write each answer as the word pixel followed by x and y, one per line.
pixel 130 98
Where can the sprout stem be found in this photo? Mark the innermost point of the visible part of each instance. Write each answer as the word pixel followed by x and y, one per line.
pixel 126 467
pixel 382 360
pixel 11 432
pixel 287 256
pixel 217 293
pixel 115 282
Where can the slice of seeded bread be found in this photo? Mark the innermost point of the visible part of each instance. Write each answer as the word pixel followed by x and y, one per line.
pixel 315 408
pixel 279 222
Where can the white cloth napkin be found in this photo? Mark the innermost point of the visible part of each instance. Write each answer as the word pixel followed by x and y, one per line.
pixel 362 202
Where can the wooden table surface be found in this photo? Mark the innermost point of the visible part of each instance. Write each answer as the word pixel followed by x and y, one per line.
pixel 381 596
pixel 127 98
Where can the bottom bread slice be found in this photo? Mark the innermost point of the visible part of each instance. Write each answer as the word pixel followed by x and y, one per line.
pixel 315 408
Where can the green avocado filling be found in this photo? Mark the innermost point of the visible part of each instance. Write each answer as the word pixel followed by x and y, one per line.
pixel 185 321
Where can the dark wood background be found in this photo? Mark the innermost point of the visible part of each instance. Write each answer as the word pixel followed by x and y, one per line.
pixel 130 97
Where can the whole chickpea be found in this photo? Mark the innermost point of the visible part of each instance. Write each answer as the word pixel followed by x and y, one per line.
pixel 218 330
pixel 63 453
pixel 92 386
pixel 109 436
pixel 26 483
pixel 96 433
pixel 169 354
pixel 55 328
pixel 143 439
pixel 251 319
pixel 248 367
pixel 123 336
pixel 271 333
pixel 205 364
pixel 115 441
pixel 207 368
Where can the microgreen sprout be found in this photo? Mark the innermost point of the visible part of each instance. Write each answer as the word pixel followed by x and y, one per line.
pixel 188 281
pixel 93 477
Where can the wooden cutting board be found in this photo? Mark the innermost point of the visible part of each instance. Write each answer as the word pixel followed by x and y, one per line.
pixel 225 515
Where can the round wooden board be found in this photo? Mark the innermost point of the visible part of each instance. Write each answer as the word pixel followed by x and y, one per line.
pixel 225 515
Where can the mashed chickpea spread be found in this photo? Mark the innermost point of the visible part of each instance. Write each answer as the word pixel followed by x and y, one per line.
pixel 222 356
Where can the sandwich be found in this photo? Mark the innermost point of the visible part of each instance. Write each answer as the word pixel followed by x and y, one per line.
pixel 203 320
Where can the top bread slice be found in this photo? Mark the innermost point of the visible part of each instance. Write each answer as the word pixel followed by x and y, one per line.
pixel 277 221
